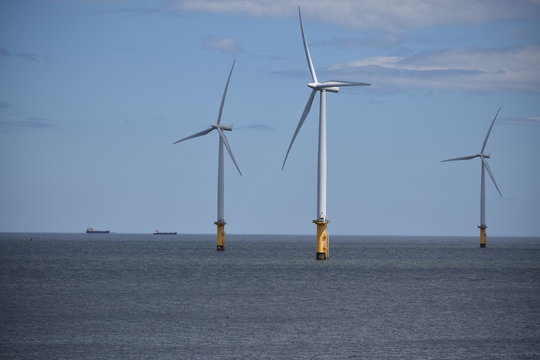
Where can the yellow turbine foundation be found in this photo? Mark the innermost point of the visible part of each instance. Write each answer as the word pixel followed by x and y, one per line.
pixel 323 240
pixel 483 236
pixel 220 235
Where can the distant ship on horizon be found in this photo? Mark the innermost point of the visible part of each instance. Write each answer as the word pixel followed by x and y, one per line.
pixel 157 232
pixel 92 231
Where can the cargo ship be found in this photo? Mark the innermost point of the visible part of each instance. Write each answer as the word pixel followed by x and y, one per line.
pixel 157 232
pixel 92 231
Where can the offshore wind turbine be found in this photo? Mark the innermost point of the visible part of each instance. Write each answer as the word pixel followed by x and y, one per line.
pixel 220 222
pixel 322 88
pixel 484 166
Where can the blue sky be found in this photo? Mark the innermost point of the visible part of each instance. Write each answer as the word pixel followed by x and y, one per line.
pixel 93 93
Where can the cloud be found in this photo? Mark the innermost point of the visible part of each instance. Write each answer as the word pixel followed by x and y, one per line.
pixel 31 122
pixel 251 8
pixel 125 49
pixel 470 69
pixel 132 11
pixel 4 105
pixel 227 45
pixel 533 120
pixel 30 56
pixel 391 15
pixel 373 40
pixel 256 127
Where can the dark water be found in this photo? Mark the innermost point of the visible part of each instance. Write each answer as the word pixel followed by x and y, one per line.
pixel 78 296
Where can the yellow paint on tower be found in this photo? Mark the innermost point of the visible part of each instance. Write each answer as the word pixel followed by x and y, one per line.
pixel 483 236
pixel 220 236
pixel 323 240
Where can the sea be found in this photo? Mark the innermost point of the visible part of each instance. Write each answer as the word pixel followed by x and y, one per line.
pixel 141 296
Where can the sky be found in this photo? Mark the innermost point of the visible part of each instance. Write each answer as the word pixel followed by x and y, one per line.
pixel 94 93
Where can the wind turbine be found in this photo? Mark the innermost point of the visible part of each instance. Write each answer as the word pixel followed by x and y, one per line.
pixel 221 184
pixel 322 88
pixel 484 167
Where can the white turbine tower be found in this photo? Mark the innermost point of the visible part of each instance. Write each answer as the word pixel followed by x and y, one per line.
pixel 484 167
pixel 221 184
pixel 322 88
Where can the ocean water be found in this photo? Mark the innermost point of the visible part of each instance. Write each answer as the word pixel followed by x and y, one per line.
pixel 117 296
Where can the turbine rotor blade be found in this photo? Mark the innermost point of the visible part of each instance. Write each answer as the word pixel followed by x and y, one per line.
pixel 225 93
pixel 228 147
pixel 306 49
pixel 200 133
pixel 486 166
pixel 489 131
pixel 461 158
pixel 339 83
pixel 302 119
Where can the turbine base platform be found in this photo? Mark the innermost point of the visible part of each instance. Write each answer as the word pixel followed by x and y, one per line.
pixel 483 236
pixel 323 239
pixel 220 235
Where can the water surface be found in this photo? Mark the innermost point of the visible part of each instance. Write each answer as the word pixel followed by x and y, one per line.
pixel 117 296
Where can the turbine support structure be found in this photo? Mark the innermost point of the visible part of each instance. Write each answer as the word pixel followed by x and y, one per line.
pixel 482 226
pixel 220 235
pixel 322 221
pixel 321 87
pixel 323 240
pixel 321 161
pixel 484 167
pixel 483 235
pixel 223 143
pixel 221 200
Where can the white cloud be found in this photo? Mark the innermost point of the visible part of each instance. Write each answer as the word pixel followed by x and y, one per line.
pixel 256 127
pixel 390 15
pixel 221 44
pixel 470 69
pixel 132 11
pixel 31 123
pixel 532 120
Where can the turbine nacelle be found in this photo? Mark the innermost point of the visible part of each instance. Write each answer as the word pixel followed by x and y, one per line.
pixel 482 156
pixel 334 85
pixel 222 127
pixel 323 86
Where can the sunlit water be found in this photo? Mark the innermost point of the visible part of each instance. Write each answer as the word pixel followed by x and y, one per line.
pixel 79 296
